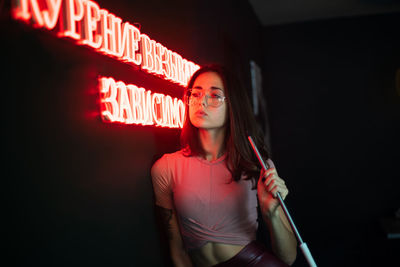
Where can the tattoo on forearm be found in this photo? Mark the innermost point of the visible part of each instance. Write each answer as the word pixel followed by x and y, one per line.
pixel 165 215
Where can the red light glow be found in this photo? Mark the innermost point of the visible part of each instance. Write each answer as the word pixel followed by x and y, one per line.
pixel 88 24
pixel 129 104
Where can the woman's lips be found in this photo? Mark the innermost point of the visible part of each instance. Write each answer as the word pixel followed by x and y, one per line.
pixel 200 113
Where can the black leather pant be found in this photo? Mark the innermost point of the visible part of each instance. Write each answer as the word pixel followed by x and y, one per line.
pixel 254 254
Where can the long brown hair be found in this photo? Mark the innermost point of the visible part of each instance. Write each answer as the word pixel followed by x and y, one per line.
pixel 240 122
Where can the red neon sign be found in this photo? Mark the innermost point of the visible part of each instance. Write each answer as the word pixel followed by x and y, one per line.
pixel 88 24
pixel 129 104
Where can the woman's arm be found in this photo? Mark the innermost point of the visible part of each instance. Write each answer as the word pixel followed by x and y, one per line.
pixel 162 185
pixel 179 256
pixel 283 240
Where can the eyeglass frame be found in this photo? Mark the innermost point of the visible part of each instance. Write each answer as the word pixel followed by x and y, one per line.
pixel 222 99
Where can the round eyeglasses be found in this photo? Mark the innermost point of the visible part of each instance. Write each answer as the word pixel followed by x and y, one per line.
pixel 196 96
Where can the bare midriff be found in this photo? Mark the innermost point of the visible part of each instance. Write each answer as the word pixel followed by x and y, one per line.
pixel 213 253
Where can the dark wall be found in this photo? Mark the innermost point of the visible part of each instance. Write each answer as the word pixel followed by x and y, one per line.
pixel 78 189
pixel 334 117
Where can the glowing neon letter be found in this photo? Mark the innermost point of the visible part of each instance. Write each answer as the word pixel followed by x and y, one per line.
pixel 179 67
pixel 147 107
pixel 165 55
pixel 128 37
pixel 186 71
pixel 73 13
pixel 51 15
pixel 108 91
pixel 92 16
pixel 167 111
pixel 21 10
pixel 156 105
pixel 125 112
pixel 124 35
pixel 174 71
pixel 147 55
pixel 135 102
pixel 108 32
pixel 135 43
pixel 181 113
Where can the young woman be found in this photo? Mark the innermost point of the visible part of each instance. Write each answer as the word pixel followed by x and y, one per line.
pixel 209 190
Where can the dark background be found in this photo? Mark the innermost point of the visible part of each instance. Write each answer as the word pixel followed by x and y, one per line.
pixel 78 191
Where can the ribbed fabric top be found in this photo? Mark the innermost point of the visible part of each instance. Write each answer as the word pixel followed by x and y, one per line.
pixel 210 206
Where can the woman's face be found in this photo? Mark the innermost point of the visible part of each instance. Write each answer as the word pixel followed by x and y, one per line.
pixel 201 114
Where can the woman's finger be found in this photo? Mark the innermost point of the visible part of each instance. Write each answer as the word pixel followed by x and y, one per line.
pixel 283 191
pixel 269 171
pixel 270 186
pixel 277 186
pixel 274 190
pixel 273 183
pixel 269 178
pixel 273 177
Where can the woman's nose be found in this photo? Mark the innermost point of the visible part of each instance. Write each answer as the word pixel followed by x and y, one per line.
pixel 203 100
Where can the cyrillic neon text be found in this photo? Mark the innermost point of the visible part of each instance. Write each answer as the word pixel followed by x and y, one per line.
pixel 88 24
pixel 129 104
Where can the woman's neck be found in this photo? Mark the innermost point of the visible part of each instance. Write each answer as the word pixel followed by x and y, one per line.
pixel 212 141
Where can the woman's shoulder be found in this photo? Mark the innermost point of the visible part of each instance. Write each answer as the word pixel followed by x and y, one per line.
pixel 166 163
pixel 174 155
pixel 167 158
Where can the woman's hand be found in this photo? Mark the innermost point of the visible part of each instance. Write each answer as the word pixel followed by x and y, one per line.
pixel 283 240
pixel 268 185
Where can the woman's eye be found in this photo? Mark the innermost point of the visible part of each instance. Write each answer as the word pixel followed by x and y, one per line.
pixel 216 96
pixel 196 94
